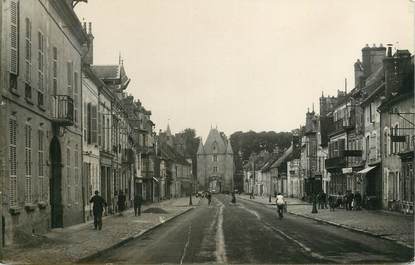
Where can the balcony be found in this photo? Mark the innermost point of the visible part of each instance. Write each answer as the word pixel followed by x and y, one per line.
pixel 403 142
pixel 62 110
pixel 336 163
pixel 128 156
pixel 342 125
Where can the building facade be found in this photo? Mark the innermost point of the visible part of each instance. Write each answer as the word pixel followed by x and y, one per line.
pixel 41 91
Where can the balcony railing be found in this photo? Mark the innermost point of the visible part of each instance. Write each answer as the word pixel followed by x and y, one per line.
pixel 62 110
pixel 403 141
pixel 342 125
pixel 336 162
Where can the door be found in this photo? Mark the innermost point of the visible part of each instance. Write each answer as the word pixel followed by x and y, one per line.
pixel 56 184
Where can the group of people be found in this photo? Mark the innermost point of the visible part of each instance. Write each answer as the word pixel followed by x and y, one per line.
pixel 99 206
pixel 349 201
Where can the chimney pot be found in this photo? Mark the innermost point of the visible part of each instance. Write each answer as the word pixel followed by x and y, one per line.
pixel 381 45
pixel 389 53
pixel 90 28
pixel 374 45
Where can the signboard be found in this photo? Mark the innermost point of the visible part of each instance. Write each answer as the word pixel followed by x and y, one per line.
pixel 347 170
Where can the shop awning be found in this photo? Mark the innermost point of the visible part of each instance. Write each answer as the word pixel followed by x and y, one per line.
pixel 155 179
pixel 366 170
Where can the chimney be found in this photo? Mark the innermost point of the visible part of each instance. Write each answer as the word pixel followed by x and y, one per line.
pixel 358 73
pixel 89 58
pixel 397 69
pixel 372 58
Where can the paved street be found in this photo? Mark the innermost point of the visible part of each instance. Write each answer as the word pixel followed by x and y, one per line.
pixel 250 233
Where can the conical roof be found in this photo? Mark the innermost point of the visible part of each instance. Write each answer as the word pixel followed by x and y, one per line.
pixel 215 143
pixel 200 149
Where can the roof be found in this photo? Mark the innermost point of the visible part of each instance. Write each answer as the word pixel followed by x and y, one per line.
pixel 169 153
pixel 215 143
pixel 107 71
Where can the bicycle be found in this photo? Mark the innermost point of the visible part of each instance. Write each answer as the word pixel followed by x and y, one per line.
pixel 280 211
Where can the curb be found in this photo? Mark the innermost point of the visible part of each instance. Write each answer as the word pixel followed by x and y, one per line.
pixel 353 229
pixel 340 225
pixel 127 239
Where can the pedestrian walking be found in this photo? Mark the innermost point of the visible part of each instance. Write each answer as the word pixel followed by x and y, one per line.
pixel 121 202
pixel 233 197
pixel 99 205
pixel 138 200
pixel 280 205
pixel 349 200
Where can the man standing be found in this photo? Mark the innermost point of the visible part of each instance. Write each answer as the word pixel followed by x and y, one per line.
pixel 121 202
pixel 137 204
pixel 98 208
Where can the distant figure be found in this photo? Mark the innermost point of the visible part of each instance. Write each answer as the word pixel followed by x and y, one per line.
pixel 233 197
pixel 121 202
pixel 332 203
pixel 349 200
pixel 358 201
pixel 138 200
pixel 209 197
pixel 280 204
pixel 98 209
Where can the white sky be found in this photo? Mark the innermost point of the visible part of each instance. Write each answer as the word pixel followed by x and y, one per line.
pixel 240 64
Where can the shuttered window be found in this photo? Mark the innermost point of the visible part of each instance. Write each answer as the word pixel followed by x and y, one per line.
pixel 14 37
pixel 12 162
pixel 94 125
pixel 76 177
pixel 55 71
pixel 41 69
pixel 76 96
pixel 28 59
pixel 42 194
pixel 69 67
pixel 68 174
pixel 28 163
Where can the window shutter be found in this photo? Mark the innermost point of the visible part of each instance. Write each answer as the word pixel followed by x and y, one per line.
pixel 13 162
pixel 88 110
pixel 342 143
pixel 94 124
pixel 14 37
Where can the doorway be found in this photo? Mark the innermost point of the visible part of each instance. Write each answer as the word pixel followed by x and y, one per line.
pixel 56 184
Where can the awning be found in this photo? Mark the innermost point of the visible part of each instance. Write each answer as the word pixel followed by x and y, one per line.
pixel 155 179
pixel 366 170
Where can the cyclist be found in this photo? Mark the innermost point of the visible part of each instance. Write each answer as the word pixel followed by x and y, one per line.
pixel 280 204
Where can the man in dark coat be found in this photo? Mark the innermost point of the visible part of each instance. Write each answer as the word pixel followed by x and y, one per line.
pixel 98 208
pixel 138 200
pixel 121 202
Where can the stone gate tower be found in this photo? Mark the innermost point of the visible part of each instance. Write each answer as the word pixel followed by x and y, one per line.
pixel 215 166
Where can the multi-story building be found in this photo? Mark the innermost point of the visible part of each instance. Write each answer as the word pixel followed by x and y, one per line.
pixel 397 120
pixel 215 166
pixel 41 103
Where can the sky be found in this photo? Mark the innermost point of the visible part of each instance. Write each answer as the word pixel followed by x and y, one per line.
pixel 240 65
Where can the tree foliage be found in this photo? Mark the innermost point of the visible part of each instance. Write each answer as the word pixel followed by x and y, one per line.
pixel 246 143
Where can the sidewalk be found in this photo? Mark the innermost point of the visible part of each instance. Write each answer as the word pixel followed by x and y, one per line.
pixel 74 243
pixel 398 228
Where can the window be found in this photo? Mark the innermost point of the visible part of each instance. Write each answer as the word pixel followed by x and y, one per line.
pixel 55 71
pixel 395 144
pixel 41 163
pixel 14 44
pixel 75 96
pixel 69 76
pixel 215 169
pixel 28 163
pixel 215 158
pixel 13 162
pixel 28 59
pixel 94 125
pixel 68 175
pixel 76 173
pixel 41 69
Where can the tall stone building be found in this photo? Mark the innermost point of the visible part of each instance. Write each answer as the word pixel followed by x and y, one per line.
pixel 215 166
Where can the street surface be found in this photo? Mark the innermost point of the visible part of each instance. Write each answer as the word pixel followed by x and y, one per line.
pixel 247 232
